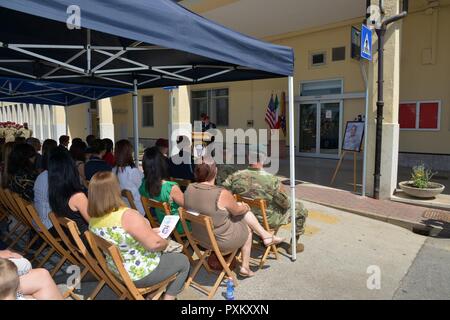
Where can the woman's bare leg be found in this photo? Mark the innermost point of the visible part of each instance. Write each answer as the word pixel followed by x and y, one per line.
pixel 245 254
pixel 253 223
pixel 39 284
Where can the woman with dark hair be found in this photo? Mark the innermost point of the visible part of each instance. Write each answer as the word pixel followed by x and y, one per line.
pixel 109 156
pixel 22 171
pixel 65 192
pixel 78 153
pixel 130 177
pixel 41 202
pixel 156 184
pixel 233 221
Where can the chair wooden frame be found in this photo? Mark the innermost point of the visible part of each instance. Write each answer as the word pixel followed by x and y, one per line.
pixel 54 243
pixel 71 237
pixel 148 213
pixel 21 225
pixel 208 248
pixel 262 206
pixel 164 206
pixel 101 247
pixel 129 196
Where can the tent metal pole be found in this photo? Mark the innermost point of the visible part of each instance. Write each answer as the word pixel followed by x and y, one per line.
pixel 292 166
pixel 136 122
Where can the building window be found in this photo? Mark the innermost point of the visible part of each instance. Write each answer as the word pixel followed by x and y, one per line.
pixel 214 103
pixel 338 54
pixel 422 115
pixel 318 59
pixel 320 88
pixel 147 111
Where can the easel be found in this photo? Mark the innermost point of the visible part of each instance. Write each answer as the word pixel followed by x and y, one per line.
pixel 339 166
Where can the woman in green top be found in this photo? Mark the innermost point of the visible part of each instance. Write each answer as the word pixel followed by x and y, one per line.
pixel 156 184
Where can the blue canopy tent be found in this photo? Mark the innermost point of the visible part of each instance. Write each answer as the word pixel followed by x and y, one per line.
pixel 77 47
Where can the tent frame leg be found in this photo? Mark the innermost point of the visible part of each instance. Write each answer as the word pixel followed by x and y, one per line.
pixel 136 122
pixel 292 166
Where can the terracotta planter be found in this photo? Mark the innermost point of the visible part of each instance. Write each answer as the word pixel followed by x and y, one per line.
pixel 426 193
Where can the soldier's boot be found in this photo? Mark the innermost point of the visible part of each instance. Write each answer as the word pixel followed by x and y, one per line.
pixel 300 246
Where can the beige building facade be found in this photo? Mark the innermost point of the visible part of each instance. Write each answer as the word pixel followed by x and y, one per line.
pixel 330 86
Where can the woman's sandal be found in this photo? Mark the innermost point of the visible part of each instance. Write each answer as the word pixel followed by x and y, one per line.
pixel 247 274
pixel 272 242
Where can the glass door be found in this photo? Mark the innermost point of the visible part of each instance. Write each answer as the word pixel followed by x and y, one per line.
pixel 330 114
pixel 320 129
pixel 308 128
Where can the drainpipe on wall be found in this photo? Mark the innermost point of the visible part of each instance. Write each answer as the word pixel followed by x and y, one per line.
pixel 381 32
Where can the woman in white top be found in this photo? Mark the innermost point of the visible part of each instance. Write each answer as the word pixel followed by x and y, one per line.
pixel 130 177
pixel 40 188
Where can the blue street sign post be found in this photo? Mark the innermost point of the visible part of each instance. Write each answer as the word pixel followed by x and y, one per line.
pixel 366 43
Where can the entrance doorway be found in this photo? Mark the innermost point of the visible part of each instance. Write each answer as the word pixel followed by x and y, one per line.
pixel 320 129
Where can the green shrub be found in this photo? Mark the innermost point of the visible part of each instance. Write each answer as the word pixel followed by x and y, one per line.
pixel 421 176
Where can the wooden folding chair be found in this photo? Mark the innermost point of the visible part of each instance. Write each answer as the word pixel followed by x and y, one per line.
pixel 262 206
pixel 148 212
pixel 21 225
pixel 181 238
pixel 70 236
pixel 54 243
pixel 205 222
pixel 102 248
pixel 129 196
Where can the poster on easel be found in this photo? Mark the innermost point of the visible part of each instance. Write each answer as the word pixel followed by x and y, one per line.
pixel 353 138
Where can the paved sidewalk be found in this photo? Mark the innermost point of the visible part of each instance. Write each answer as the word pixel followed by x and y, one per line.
pixel 404 215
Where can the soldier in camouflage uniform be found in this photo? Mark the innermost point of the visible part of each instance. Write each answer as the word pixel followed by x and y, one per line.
pixel 256 183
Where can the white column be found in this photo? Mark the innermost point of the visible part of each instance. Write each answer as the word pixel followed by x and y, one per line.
pixel 19 114
pixel 106 122
pixel 39 128
pixel 58 121
pixel 136 123
pixel 14 112
pixel 32 119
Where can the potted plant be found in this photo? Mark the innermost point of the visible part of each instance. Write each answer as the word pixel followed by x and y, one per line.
pixel 420 185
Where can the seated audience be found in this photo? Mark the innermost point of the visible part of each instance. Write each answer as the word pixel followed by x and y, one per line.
pixel 22 171
pixel 7 149
pixel 233 221
pixel 77 140
pixel 36 144
pixel 163 146
pixel 65 192
pixel 48 144
pixel 157 186
pixel 129 176
pixel 64 142
pixel 41 203
pixel 96 163
pixel 140 246
pixel 183 170
pixel 36 283
pixel 90 140
pixel 9 280
pixel 254 182
pixel 78 153
pixel 109 156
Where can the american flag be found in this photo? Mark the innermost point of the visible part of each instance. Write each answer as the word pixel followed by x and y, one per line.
pixel 271 115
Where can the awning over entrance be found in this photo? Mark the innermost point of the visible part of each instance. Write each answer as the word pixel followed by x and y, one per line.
pixel 157 43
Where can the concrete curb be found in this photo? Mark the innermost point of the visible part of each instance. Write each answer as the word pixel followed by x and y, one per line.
pixel 412 226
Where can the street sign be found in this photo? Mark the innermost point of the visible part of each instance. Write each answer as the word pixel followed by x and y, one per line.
pixel 366 43
pixel 170 88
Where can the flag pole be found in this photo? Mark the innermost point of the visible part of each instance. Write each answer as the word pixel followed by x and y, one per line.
pixel 292 167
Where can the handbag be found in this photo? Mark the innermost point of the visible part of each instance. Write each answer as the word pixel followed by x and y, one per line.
pixel 214 263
